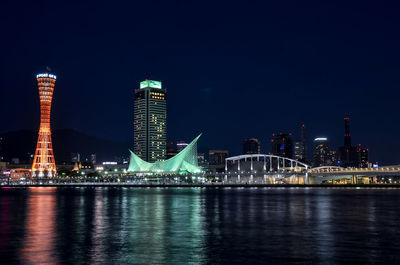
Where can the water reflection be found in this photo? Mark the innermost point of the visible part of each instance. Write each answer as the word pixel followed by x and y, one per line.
pixel 40 231
pixel 198 226
pixel 165 227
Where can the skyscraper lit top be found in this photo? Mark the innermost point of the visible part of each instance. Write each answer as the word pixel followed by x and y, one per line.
pixel 321 152
pixel 150 121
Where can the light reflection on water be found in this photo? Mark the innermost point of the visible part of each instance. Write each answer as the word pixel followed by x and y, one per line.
pixel 198 226
pixel 38 245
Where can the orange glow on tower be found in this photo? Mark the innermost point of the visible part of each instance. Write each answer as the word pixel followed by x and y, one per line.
pixel 43 162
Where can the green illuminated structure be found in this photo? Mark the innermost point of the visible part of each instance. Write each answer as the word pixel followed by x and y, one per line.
pixel 151 84
pixel 184 162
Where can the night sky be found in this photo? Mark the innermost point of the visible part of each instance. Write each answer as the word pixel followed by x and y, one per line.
pixel 232 69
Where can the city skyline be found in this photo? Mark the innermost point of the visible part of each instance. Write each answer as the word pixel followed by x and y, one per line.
pixel 344 65
pixel 144 86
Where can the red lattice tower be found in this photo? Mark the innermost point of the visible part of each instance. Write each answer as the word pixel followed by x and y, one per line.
pixel 43 163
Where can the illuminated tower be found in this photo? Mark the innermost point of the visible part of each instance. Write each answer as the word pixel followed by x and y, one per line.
pixel 43 162
pixel 150 121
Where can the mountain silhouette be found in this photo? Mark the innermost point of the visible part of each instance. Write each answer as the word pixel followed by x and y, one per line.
pixel 21 144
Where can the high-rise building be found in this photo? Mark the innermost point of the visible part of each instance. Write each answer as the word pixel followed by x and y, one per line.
pixel 321 155
pixel 282 145
pixel 362 156
pixel 171 150
pixel 298 151
pixel 332 158
pixel 150 121
pixel 300 147
pixel 347 155
pixel 251 146
pixel 303 135
pixel 347 136
pixel 43 162
pixel 217 157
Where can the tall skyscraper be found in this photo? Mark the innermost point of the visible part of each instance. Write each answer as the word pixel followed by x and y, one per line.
pixel 300 147
pixel 347 136
pixel 347 154
pixel 150 121
pixel 43 162
pixel 303 135
pixel 251 146
pixel 321 155
pixel 281 145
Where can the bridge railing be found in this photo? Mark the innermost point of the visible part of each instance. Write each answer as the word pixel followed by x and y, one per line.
pixel 354 170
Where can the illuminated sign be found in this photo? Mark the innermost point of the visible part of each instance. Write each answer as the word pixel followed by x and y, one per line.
pixel 321 139
pixel 150 83
pixel 46 75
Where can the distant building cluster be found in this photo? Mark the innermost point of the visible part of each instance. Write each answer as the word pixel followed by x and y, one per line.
pixel 323 155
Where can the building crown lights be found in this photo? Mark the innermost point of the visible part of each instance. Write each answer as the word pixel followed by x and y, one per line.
pixel 46 75
pixel 151 84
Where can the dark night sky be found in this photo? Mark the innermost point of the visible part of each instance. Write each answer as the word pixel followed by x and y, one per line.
pixel 232 69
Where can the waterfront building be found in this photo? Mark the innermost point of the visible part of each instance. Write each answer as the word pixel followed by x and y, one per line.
pixel 150 121
pixel 321 156
pixel 43 162
pixel 251 146
pixel 281 145
pixel 217 157
pixel 184 162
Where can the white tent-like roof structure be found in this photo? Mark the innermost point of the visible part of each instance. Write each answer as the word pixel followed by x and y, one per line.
pixel 184 161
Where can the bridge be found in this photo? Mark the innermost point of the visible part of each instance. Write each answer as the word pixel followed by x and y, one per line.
pixel 339 171
pixel 260 168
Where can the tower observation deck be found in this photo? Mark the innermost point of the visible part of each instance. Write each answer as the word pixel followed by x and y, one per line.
pixel 43 162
